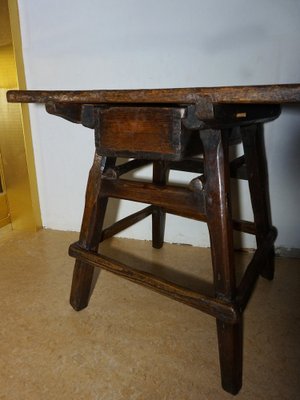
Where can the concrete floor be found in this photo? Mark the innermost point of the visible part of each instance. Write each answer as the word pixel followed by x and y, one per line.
pixel 131 343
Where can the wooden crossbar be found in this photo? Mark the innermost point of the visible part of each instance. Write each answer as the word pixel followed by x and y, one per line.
pixel 117 171
pixel 125 223
pixel 253 270
pixel 172 199
pixel 216 307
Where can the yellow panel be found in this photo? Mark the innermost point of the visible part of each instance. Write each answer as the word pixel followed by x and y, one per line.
pixel 8 75
pixel 5 35
pixel 24 115
pixel 4 210
pixel 4 213
pixel 15 165
pixel 15 135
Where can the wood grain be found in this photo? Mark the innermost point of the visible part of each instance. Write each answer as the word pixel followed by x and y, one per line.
pixel 127 131
pixel 272 94
pixel 216 307
pixel 172 199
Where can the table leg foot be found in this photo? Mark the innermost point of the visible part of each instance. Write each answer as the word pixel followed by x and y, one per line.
pixel 230 340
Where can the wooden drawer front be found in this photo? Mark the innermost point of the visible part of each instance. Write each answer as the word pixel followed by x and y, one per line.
pixel 151 132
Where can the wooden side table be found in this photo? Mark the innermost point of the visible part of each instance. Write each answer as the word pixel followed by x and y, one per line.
pixel 191 130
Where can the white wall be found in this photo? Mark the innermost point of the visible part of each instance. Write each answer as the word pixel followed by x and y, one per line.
pixel 94 44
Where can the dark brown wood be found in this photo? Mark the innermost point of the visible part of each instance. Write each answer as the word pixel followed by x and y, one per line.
pixel 177 200
pixel 119 170
pixel 188 165
pixel 162 126
pixel 217 199
pixel 131 132
pixel 70 112
pixel 167 131
pixel 160 177
pixel 263 94
pixel 227 115
pixel 84 275
pixel 254 149
pixel 125 223
pixel 95 205
pixel 238 168
pixel 255 267
pixel 230 339
pixel 216 307
pixel 244 226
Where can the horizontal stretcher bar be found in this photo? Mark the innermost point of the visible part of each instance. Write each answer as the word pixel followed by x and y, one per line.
pixel 223 310
pixel 218 308
pixel 172 199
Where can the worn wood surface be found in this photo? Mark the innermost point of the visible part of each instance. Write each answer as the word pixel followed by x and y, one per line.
pixel 256 266
pixel 172 199
pixel 255 157
pixel 210 305
pixel 84 275
pixel 125 223
pixel 244 226
pixel 160 177
pixel 219 221
pixel 218 212
pixel 231 115
pixel 130 131
pixel 272 94
pixel 169 127
pixel 119 170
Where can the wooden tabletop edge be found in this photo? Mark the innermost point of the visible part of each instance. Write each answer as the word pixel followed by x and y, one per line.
pixel 276 94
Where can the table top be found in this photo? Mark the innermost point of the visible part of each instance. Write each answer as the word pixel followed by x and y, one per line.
pixel 263 94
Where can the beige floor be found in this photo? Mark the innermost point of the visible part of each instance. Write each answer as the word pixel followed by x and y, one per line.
pixel 131 343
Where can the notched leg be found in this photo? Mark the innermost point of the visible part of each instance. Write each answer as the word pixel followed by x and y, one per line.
pixel 218 212
pixel 255 156
pixel 160 176
pixel 84 275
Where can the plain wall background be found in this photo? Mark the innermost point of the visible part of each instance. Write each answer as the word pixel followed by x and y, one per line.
pixel 97 44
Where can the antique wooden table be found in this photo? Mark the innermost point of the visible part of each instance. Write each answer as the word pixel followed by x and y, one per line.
pixel 191 130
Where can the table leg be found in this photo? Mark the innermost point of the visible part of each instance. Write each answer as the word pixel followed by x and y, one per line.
pixel 254 149
pixel 218 210
pixel 160 177
pixel 84 275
